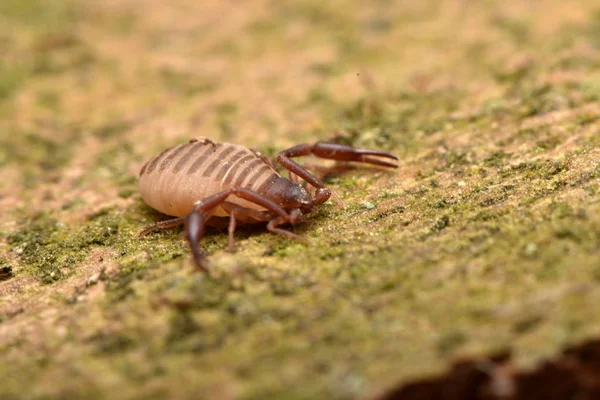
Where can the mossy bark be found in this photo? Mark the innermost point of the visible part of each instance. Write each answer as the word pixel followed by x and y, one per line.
pixel 486 238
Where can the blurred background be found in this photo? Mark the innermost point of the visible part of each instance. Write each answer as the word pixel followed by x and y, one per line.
pixel 485 239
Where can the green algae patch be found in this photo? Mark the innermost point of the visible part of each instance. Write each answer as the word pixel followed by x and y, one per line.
pixel 484 239
pixel 39 247
pixel 38 157
pixel 12 78
pixel 50 250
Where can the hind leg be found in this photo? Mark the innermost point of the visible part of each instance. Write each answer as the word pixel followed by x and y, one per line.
pixel 170 223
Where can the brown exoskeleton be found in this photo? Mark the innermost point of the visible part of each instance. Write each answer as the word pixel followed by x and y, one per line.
pixel 202 180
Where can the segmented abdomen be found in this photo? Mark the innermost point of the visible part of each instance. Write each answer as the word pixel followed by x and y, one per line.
pixel 178 177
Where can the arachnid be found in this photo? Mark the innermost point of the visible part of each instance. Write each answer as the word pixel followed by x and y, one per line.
pixel 202 181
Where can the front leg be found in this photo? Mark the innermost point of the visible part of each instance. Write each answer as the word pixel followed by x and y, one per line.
pixel 195 221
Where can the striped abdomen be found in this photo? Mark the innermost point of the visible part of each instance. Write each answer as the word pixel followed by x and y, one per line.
pixel 178 177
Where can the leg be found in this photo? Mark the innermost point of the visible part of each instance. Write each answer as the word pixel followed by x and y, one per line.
pixel 293 177
pixel 195 221
pixel 265 159
pixel 203 140
pixel 242 214
pixel 330 151
pixel 272 227
pixel 170 223
pixel 194 230
pixel 231 230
